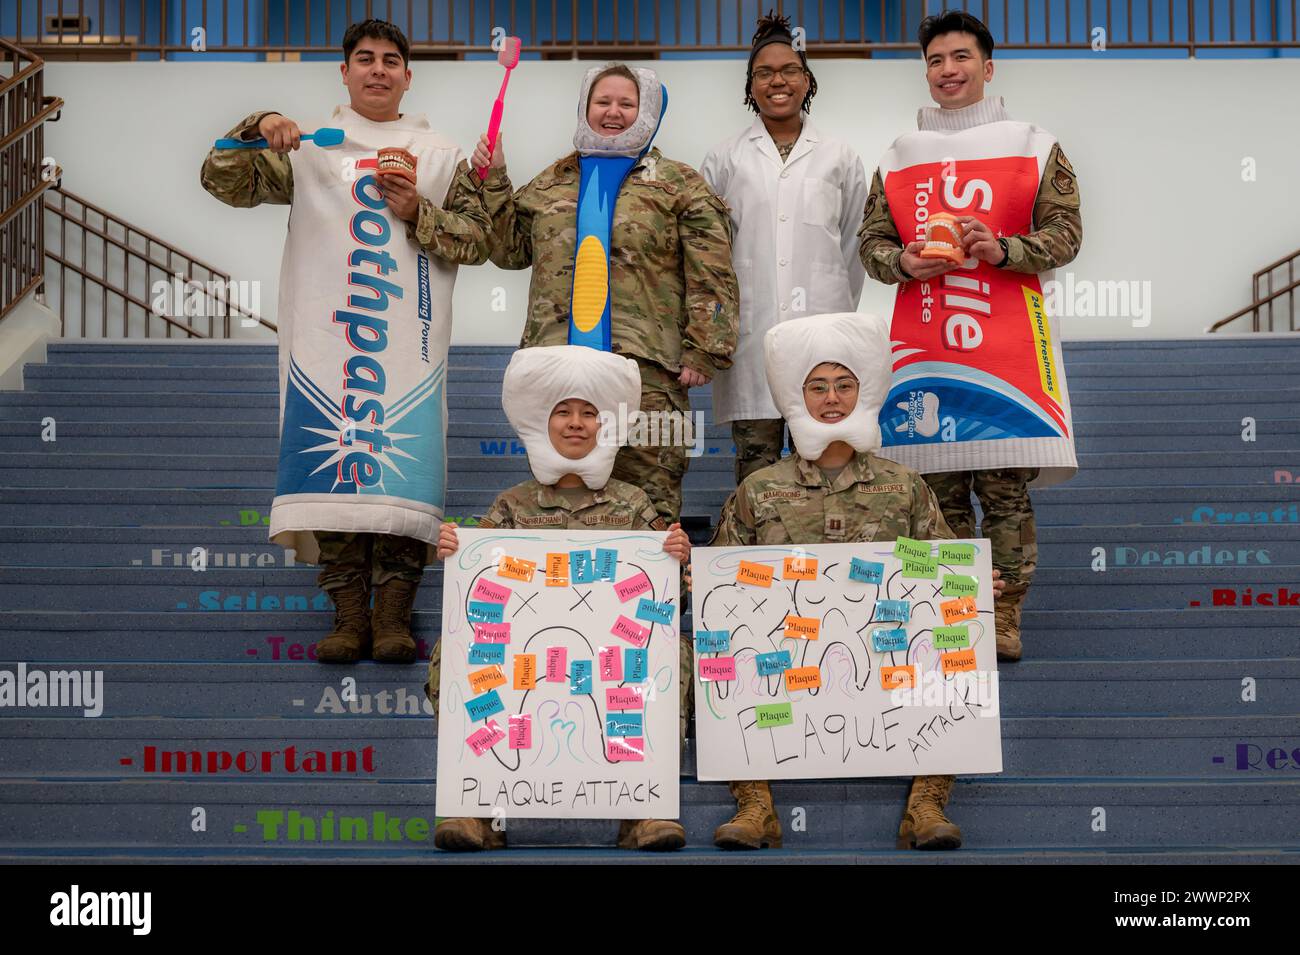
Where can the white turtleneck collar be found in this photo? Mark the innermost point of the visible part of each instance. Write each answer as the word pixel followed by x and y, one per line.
pixel 936 119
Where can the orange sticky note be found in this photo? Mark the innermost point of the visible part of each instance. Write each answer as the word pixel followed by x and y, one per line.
pixel 557 570
pixel 516 568
pixel 757 575
pixel 525 671
pixel 803 678
pixel 802 628
pixel 893 678
pixel 800 568
pixel 958 661
pixel 488 678
pixel 955 611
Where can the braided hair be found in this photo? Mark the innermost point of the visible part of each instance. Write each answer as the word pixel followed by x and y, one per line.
pixel 775 28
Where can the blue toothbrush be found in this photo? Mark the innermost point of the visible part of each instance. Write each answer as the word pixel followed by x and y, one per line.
pixel 325 136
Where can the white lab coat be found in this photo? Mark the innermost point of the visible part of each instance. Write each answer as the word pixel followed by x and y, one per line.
pixel 794 245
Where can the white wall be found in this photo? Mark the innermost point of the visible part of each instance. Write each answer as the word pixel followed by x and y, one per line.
pixel 1158 146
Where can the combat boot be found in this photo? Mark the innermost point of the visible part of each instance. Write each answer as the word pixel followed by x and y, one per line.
pixel 924 825
pixel 651 835
pixel 1006 617
pixel 391 622
pixel 754 826
pixel 467 835
pixel 349 641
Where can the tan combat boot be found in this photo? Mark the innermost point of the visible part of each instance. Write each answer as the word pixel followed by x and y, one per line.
pixel 924 825
pixel 651 835
pixel 391 622
pixel 467 835
pixel 754 826
pixel 349 641
pixel 1006 616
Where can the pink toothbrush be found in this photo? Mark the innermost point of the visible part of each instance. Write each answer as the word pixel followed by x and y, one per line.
pixel 508 56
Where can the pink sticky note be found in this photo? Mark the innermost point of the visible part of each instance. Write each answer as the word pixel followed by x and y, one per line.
pixel 491 592
pixel 491 633
pixel 717 668
pixel 632 587
pixel 611 663
pixel 630 749
pixel 624 698
pixel 521 731
pixel 484 738
pixel 557 664
pixel 631 631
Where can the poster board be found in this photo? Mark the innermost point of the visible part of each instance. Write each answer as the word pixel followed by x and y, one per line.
pixel 793 645
pixel 559 685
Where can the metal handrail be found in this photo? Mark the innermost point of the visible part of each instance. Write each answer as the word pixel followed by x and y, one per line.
pixel 1256 306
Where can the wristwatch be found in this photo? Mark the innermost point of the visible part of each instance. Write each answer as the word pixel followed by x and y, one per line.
pixel 1006 253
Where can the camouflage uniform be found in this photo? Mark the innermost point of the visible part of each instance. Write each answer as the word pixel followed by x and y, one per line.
pixel 1003 494
pixel 616 506
pixel 674 300
pixel 792 502
pixel 460 233
pixel 759 443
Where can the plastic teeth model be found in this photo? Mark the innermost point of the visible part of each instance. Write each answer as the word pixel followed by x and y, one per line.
pixel 398 162
pixel 943 238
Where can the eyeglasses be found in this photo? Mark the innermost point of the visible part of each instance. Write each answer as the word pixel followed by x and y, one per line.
pixel 789 73
pixel 820 389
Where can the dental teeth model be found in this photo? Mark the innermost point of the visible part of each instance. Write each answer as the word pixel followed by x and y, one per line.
pixel 943 238
pixel 398 162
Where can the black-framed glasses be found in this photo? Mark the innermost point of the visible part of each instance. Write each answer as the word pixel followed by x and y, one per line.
pixel 789 73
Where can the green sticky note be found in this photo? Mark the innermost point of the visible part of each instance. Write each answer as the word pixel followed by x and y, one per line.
pixel 961 554
pixel 774 714
pixel 906 547
pixel 959 585
pixel 923 568
pixel 951 638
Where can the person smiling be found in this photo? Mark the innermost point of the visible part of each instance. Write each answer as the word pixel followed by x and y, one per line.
pixel 364 319
pixel 985 331
pixel 661 273
pixel 796 197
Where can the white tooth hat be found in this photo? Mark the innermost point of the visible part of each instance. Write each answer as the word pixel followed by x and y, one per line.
pixel 537 379
pixel 636 137
pixel 856 340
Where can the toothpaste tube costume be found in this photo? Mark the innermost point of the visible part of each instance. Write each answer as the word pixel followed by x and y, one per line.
pixel 365 325
pixel 978 378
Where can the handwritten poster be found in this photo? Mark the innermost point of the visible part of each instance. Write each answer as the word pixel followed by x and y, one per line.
pixel 559 676
pixel 845 660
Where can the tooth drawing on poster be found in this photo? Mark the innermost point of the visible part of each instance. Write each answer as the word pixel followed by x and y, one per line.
pixel 854 660
pixel 559 696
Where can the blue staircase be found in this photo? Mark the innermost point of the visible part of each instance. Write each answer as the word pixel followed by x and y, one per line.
pixel 1132 697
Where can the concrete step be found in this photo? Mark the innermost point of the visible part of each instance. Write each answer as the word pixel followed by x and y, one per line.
pixel 61 636
pixel 1086 689
pixel 843 816
pixel 403 749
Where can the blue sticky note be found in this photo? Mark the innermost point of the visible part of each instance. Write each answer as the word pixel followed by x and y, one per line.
pixel 484 653
pixel 606 563
pixel 635 664
pixel 481 707
pixel 771 664
pixel 624 724
pixel 884 640
pixel 579 677
pixel 712 641
pixel 867 571
pixel 480 611
pixel 647 609
pixel 582 570
pixel 900 610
